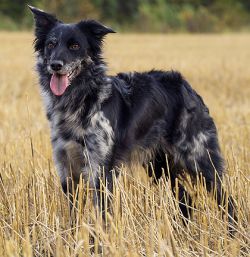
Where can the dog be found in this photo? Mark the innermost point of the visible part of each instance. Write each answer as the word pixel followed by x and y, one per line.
pixel 99 122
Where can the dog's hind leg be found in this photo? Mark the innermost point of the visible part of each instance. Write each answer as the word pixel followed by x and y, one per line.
pixel 164 163
pixel 210 165
pixel 200 154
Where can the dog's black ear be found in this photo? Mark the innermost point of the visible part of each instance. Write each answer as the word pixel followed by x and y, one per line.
pixel 94 28
pixel 43 20
pixel 95 33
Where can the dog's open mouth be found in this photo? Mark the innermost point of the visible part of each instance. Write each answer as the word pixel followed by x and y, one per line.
pixel 60 82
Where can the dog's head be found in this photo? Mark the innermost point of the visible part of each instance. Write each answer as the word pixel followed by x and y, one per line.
pixel 65 49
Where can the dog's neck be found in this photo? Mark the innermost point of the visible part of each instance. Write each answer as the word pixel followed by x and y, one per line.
pixel 88 91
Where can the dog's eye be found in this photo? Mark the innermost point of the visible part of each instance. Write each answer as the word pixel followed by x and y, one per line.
pixel 50 45
pixel 74 46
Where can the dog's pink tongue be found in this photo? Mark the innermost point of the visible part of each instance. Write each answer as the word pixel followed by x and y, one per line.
pixel 59 83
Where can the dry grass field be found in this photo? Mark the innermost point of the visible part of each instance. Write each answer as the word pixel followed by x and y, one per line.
pixel 34 213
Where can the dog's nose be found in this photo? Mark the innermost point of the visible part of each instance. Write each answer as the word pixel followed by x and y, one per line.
pixel 56 65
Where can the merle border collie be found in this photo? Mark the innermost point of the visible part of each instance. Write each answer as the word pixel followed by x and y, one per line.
pixel 98 122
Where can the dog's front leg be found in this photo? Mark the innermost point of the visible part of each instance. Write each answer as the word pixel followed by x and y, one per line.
pixel 101 181
pixel 70 161
pixel 104 192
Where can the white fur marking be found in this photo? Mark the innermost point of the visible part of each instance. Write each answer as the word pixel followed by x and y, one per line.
pixel 199 144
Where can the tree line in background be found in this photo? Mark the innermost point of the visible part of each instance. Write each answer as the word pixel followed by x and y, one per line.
pixel 137 15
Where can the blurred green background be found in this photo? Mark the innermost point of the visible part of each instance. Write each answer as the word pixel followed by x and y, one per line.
pixel 137 15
